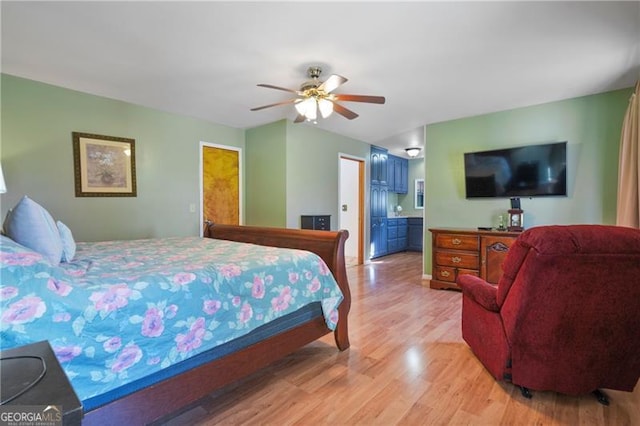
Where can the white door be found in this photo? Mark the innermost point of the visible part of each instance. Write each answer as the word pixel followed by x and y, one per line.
pixel 351 207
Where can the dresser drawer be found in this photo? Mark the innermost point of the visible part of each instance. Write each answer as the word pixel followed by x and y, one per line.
pixel 458 242
pixel 468 272
pixel 444 273
pixel 449 274
pixel 458 260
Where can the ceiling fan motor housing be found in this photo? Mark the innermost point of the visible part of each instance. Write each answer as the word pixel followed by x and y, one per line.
pixel 314 73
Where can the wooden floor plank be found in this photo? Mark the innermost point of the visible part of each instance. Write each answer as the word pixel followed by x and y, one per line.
pixel 407 365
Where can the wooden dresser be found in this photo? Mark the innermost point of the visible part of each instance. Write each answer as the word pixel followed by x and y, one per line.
pixel 468 251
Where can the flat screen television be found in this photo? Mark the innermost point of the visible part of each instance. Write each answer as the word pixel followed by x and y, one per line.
pixel 526 171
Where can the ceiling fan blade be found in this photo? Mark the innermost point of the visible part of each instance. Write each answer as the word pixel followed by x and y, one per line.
pixel 332 83
pixel 290 101
pixel 360 98
pixel 345 112
pixel 271 86
pixel 299 119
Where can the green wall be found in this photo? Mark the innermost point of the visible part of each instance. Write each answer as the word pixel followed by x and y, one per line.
pixel 313 165
pixel 293 170
pixel 37 160
pixel 590 124
pixel 266 175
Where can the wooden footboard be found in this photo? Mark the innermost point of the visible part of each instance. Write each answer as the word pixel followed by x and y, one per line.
pixel 156 401
pixel 328 245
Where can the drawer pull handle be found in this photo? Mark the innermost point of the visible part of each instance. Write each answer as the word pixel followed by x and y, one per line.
pixel 456 259
pixel 445 273
pixel 456 241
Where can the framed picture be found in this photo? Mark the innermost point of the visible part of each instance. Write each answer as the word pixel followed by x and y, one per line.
pixel 104 166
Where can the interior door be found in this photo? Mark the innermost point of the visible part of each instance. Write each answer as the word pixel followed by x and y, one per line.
pixel 221 184
pixel 352 207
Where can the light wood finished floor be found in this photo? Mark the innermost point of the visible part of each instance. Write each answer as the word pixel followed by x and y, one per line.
pixel 407 365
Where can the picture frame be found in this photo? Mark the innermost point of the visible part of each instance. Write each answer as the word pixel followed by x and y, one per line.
pixel 104 166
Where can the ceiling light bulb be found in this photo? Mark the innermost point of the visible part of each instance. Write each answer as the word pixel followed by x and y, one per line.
pixel 326 107
pixel 301 107
pixel 413 151
pixel 311 109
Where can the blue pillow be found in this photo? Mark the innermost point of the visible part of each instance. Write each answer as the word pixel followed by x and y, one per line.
pixel 68 243
pixel 31 225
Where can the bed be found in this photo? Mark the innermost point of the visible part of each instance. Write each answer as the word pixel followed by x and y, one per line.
pixel 121 378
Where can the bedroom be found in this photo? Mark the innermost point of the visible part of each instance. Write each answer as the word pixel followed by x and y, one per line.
pixel 37 156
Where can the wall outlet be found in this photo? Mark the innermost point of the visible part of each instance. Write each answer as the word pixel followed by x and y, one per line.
pixel 192 208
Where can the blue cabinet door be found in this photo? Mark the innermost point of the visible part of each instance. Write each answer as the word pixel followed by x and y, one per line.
pixel 415 234
pixel 378 166
pixel 397 174
pixel 403 186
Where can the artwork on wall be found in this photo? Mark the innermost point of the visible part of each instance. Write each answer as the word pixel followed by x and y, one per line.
pixel 104 166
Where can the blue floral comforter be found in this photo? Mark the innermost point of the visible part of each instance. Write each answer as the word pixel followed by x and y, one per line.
pixel 126 309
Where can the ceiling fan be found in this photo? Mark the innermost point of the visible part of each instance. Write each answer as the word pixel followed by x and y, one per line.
pixel 315 95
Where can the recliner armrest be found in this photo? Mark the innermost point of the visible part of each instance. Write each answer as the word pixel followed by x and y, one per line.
pixel 480 291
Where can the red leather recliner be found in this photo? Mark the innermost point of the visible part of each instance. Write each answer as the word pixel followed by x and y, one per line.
pixel 565 315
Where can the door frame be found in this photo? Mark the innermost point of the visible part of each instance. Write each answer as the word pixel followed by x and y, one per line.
pixel 361 200
pixel 204 144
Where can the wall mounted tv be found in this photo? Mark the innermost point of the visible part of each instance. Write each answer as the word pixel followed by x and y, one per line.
pixel 526 171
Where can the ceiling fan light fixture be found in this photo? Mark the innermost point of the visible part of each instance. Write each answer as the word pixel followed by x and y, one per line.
pixel 315 95
pixel 412 151
pixel 325 107
pixel 308 108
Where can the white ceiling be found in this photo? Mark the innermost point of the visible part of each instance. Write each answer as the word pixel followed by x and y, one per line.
pixel 433 61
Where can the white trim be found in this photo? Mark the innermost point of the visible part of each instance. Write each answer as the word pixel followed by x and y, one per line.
pixel 240 179
pixel 364 213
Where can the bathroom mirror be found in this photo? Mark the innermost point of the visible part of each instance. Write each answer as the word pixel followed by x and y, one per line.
pixel 418 191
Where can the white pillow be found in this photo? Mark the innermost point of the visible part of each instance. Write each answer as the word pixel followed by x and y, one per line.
pixel 31 225
pixel 68 243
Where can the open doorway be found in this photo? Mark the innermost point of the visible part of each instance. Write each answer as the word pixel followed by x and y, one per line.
pixel 351 207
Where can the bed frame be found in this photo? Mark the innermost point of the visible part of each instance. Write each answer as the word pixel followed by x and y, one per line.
pixel 156 401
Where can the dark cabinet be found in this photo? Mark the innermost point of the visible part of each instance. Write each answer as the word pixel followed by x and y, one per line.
pixel 20 366
pixel 415 234
pixel 318 222
pixel 396 235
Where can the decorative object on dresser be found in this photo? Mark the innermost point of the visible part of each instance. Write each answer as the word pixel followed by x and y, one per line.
pixel 565 315
pixel 516 220
pixel 466 251
pixel 516 216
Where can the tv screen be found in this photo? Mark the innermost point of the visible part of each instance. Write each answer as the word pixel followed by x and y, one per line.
pixel 527 171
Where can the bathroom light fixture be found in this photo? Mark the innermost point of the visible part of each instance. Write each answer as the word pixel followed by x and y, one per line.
pixel 412 151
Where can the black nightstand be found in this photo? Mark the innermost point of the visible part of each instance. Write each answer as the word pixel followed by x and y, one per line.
pixel 20 367
pixel 318 222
